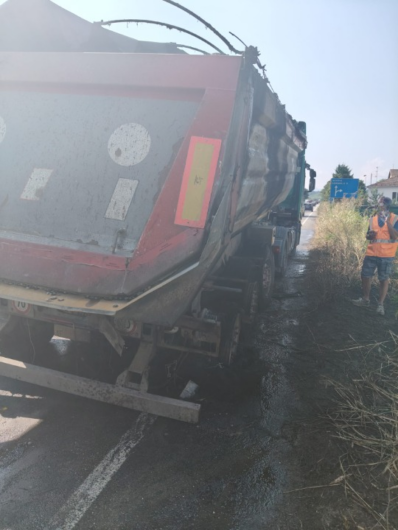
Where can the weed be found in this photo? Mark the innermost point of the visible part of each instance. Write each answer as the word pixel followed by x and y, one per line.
pixel 366 420
pixel 338 247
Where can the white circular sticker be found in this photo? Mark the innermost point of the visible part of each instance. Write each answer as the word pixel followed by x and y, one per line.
pixel 21 307
pixel 2 129
pixel 129 144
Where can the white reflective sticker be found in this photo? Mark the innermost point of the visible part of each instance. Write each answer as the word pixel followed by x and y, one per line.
pixel 2 129
pixel 129 144
pixel 36 184
pixel 121 199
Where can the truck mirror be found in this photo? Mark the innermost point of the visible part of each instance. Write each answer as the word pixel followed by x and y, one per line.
pixel 312 180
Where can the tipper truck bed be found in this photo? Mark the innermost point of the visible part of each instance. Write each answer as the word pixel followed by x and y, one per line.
pixel 147 198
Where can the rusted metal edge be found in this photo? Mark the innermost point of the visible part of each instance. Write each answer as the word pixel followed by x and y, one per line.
pixel 72 302
pixel 114 394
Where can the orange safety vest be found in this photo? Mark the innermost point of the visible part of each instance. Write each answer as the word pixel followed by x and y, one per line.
pixel 382 246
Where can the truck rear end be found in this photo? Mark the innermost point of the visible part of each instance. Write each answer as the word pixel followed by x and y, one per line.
pixel 137 192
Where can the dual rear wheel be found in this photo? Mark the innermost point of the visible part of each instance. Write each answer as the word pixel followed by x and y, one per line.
pixel 260 276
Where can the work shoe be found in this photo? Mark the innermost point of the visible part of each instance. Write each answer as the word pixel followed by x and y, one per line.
pixel 361 302
pixel 380 309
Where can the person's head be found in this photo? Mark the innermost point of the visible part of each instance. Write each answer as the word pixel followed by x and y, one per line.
pixel 384 203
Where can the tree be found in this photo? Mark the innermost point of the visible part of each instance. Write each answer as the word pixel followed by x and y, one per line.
pixel 342 171
pixel 362 191
pixel 374 197
pixel 325 193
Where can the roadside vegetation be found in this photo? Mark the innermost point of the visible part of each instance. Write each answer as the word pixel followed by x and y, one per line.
pixel 364 348
pixel 338 248
pixel 365 420
pixel 342 171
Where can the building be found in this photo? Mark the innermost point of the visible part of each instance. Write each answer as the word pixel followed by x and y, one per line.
pixel 387 187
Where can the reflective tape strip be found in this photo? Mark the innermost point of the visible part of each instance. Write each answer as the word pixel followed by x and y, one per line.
pixel 197 182
pixel 36 184
pixel 121 199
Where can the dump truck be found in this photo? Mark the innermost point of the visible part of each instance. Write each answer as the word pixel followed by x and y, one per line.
pixel 146 198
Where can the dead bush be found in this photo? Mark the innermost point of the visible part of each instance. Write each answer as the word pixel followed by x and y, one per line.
pixel 338 247
pixel 366 420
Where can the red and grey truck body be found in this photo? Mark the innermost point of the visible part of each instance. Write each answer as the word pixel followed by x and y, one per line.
pixel 136 186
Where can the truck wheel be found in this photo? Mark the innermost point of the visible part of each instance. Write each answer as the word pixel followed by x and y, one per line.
pixel 283 263
pixel 267 277
pixel 296 241
pixel 230 339
pixel 250 308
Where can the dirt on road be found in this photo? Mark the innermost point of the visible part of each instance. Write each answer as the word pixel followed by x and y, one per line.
pixel 332 344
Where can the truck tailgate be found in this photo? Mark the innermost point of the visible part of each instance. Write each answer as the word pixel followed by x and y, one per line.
pixel 95 151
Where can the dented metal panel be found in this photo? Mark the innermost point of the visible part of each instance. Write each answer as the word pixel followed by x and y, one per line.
pixel 106 160
pixel 128 203
pixel 115 132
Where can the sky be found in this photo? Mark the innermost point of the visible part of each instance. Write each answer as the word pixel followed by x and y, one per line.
pixel 333 63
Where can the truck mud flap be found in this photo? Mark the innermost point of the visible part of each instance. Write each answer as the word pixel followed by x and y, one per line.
pixel 114 394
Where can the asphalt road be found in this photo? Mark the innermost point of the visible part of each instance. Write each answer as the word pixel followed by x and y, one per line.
pixel 307 230
pixel 69 463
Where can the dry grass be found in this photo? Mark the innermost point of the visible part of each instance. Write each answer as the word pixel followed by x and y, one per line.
pixel 338 247
pixel 366 421
pixel 365 415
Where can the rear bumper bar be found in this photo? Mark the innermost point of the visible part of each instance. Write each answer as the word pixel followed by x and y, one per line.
pixel 113 394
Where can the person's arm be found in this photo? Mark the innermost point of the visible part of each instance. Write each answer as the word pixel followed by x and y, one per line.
pixel 371 234
pixel 392 230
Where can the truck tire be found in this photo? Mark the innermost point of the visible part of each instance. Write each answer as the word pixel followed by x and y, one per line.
pixel 230 336
pixel 283 263
pixel 267 277
pixel 250 305
pixel 296 241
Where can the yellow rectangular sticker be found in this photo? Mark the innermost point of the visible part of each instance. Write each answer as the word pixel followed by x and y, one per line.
pixel 197 182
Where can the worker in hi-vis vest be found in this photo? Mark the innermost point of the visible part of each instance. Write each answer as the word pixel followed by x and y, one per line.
pixel 380 254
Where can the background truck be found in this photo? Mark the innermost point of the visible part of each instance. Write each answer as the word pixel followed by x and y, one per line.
pixel 146 198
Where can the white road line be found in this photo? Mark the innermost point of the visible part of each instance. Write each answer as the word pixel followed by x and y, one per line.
pixel 306 219
pixel 81 500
